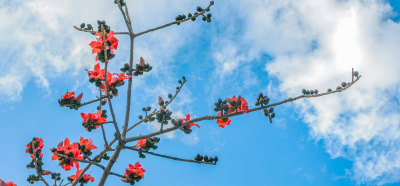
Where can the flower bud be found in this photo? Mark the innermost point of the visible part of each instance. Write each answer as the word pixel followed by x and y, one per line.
pixel 46 172
pixel 160 101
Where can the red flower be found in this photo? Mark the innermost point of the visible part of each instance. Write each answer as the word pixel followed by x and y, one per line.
pixel 223 122
pixel 141 143
pixel 97 73
pixel 95 118
pixel 134 171
pixel 68 95
pixel 190 124
pixel 40 146
pixel 68 149
pixel 86 177
pixel 114 41
pixel 111 81
pixel 98 46
pixel 3 183
pixel 121 77
pixel 87 143
pixel 243 105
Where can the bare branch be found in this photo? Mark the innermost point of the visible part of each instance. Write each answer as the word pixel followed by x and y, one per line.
pixel 175 22
pixel 169 157
pixel 93 101
pixel 237 113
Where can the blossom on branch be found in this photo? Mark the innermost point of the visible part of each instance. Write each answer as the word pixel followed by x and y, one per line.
pixel 141 143
pixel 98 46
pixel 69 100
pixel 85 178
pixel 96 74
pixel 86 145
pixel 237 105
pixel 38 145
pixel 113 83
pixel 93 120
pixel 223 122
pixel 187 128
pixel 133 173
pixel 67 149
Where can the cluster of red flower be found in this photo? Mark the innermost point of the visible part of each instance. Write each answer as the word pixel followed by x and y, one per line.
pixel 93 120
pixel 134 173
pixel 68 154
pixel 235 105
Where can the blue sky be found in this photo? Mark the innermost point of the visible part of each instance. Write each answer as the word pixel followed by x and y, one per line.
pixel 251 46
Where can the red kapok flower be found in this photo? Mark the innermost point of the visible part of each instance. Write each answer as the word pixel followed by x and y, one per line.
pixel 70 150
pixel 68 95
pixel 11 184
pixel 243 105
pixel 69 100
pixel 97 73
pixel 3 183
pixel 38 146
pixel 98 46
pixel 190 124
pixel 223 122
pixel 121 77
pixel 85 179
pixel 87 143
pixel 133 172
pixel 140 143
pixel 111 39
pixel 95 118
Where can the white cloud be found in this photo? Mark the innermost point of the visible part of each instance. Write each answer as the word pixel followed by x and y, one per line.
pixel 41 45
pixel 314 44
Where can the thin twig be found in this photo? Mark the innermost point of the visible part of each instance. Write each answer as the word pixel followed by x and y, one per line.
pixel 175 22
pixel 93 101
pixel 169 157
pixel 94 32
pixel 102 127
pixel 237 113
pixel 155 111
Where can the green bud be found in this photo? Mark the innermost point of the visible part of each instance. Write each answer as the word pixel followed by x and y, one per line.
pixel 356 74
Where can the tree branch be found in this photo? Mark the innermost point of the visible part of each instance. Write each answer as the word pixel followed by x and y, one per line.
pixel 169 157
pixel 155 110
pixel 107 86
pixel 36 164
pixel 117 151
pixel 93 101
pixel 94 32
pixel 95 158
pixel 102 127
pixel 237 113
pixel 175 22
